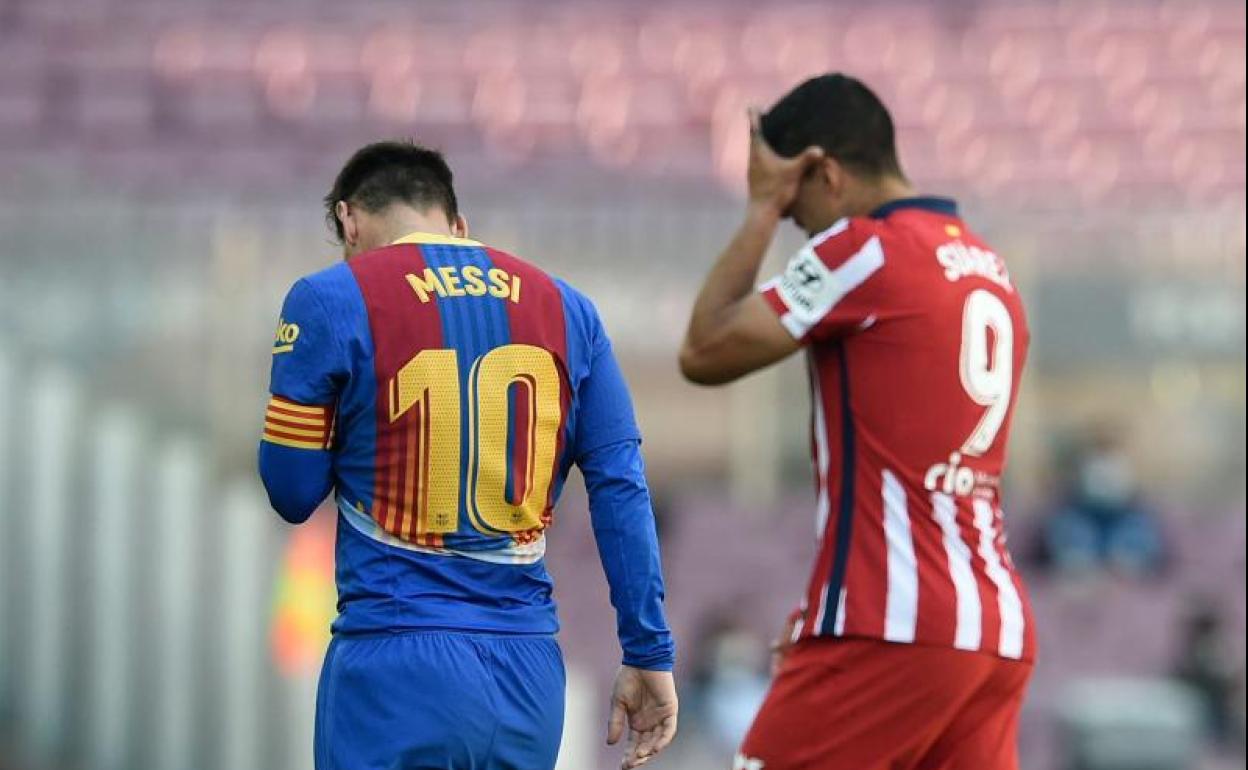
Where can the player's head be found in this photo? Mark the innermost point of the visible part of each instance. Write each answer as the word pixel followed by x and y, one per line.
pixel 844 118
pixel 388 189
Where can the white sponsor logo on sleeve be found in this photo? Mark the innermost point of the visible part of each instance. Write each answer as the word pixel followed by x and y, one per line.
pixel 810 289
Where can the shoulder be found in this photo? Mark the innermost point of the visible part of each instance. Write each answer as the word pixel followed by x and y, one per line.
pixel 326 279
pixel 574 298
pixel 843 241
pixel 332 287
pixel 575 303
pixel 831 264
pixel 516 265
pixel 579 310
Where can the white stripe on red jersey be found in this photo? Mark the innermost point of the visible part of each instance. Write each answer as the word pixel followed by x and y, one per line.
pixel 970 627
pixel 1009 603
pixel 916 342
pixel 821 460
pixel 901 614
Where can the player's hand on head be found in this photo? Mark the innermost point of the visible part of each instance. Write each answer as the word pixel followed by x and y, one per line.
pixel 644 704
pixel 773 179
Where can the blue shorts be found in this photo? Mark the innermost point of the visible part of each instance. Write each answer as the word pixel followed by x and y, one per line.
pixel 440 701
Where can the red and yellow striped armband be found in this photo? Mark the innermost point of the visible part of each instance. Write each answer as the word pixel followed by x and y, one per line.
pixel 298 425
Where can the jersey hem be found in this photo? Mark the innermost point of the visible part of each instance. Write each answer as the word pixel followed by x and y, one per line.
pixel 440 630
pixel 1031 659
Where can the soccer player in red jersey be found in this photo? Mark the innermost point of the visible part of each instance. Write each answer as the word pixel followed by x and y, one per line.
pixel 913 644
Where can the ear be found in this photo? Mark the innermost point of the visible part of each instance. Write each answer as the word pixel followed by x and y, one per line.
pixel 832 175
pixel 350 227
pixel 459 227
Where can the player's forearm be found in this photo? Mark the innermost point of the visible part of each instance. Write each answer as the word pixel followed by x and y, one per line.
pixel 623 523
pixel 729 282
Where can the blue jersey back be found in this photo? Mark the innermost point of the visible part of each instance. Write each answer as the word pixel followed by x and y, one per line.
pixel 453 386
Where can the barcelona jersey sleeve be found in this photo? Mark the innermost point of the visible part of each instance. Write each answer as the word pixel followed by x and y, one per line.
pixel 307 371
pixel 607 448
pixel 605 414
pixel 308 361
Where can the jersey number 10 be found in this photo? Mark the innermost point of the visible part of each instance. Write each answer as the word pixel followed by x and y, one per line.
pixel 430 384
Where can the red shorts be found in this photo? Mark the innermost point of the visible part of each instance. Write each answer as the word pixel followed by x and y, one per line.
pixel 863 704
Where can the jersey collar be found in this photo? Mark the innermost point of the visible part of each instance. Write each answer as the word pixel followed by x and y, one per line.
pixel 433 239
pixel 931 203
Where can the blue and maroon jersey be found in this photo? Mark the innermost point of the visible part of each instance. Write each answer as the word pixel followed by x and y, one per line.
pixel 448 387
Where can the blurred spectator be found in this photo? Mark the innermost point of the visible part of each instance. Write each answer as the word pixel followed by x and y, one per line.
pixel 729 683
pixel 1208 665
pixel 1101 521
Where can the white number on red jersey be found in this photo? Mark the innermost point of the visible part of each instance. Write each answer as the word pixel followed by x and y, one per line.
pixel 987 365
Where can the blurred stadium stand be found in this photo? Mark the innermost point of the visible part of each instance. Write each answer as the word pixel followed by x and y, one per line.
pixel 162 164
pixel 1115 104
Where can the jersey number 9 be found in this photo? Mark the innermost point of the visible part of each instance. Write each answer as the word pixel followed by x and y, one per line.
pixel 987 365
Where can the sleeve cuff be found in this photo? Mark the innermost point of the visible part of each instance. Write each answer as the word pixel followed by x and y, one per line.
pixel 658 661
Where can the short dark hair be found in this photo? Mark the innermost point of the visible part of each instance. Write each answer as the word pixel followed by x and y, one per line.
pixel 400 171
pixel 839 114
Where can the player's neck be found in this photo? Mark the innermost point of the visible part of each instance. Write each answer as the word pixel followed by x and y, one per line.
pixel 881 193
pixel 404 227
pixel 403 221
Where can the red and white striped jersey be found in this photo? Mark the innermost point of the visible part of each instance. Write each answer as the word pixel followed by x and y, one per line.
pixel 916 340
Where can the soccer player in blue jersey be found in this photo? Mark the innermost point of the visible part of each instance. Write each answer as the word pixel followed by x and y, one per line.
pixel 442 390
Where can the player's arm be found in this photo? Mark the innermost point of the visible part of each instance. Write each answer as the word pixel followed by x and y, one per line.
pixel 608 452
pixel 623 524
pixel 295 458
pixel 732 331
